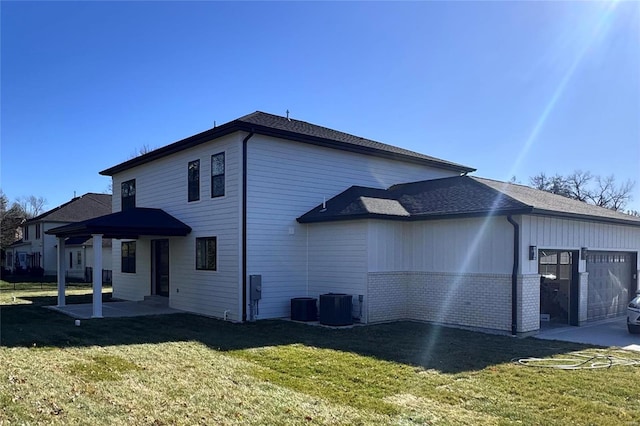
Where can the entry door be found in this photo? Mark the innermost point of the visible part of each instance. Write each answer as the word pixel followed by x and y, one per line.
pixel 559 285
pixel 160 263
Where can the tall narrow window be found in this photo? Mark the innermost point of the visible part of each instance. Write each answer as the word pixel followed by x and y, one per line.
pixel 25 232
pixel 217 175
pixel 37 231
pixel 128 194
pixel 70 260
pixel 206 254
pixel 194 180
pixel 128 256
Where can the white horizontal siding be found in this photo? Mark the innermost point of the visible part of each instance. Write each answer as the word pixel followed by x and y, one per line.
pixel 287 179
pixel 337 259
pixel 49 244
pixel 132 286
pixel 163 184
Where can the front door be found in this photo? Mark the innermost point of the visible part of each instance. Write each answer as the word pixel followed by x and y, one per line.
pixel 559 286
pixel 160 267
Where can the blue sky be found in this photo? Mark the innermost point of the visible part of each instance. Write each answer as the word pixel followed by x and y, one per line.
pixel 512 89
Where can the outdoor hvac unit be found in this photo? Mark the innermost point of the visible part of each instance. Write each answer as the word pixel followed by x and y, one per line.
pixel 335 309
pixel 304 309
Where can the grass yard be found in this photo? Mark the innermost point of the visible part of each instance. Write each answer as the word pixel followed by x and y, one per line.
pixel 186 369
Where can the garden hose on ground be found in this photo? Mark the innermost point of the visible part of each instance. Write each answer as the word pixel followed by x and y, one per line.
pixel 579 361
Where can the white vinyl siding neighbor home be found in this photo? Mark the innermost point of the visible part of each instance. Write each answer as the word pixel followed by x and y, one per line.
pixel 38 249
pixel 237 221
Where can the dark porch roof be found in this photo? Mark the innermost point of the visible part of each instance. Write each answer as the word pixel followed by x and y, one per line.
pixel 130 223
pixel 456 197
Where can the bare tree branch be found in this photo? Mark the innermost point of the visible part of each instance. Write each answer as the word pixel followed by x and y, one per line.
pixel 32 205
pixel 583 186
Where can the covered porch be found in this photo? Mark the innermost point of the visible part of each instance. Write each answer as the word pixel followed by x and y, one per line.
pixel 116 309
pixel 129 224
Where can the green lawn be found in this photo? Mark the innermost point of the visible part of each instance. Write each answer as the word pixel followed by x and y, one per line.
pixel 186 369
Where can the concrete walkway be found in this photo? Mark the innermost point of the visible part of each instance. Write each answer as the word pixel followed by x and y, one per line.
pixel 610 332
pixel 115 309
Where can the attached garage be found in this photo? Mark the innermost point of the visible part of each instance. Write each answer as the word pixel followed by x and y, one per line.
pixel 612 283
pixel 474 252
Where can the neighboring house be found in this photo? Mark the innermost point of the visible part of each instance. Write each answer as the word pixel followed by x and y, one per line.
pixel 37 249
pixel 415 238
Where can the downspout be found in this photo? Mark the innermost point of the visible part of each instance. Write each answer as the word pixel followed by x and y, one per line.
pixel 244 225
pixel 514 275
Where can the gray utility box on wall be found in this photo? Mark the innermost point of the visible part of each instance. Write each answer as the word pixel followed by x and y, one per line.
pixel 335 309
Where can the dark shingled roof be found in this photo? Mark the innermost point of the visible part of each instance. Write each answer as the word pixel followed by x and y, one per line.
pixel 542 201
pixel 85 241
pixel 78 209
pixel 455 197
pixel 295 130
pixel 130 223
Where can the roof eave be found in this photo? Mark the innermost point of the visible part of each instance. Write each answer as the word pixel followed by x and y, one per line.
pixel 590 218
pixel 237 125
pixel 345 146
pixel 422 217
pixel 174 147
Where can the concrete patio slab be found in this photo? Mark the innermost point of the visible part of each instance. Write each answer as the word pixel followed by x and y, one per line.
pixel 610 332
pixel 119 309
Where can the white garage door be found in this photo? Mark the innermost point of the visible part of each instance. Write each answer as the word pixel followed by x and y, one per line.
pixel 610 283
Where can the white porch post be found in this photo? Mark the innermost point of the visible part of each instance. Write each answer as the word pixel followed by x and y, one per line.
pixel 97 276
pixel 61 272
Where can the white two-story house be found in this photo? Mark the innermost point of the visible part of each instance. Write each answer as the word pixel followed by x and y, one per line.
pixel 306 210
pixel 36 251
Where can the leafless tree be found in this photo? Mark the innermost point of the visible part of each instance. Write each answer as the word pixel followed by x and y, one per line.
pixel 144 149
pixel 556 184
pixel 11 217
pixel 578 185
pixel 31 205
pixel 583 186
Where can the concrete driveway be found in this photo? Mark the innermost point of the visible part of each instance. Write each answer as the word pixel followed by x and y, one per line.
pixel 609 332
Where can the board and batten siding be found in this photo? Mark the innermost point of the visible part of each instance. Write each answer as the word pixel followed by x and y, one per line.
pixel 571 234
pixel 163 184
pixel 285 180
pixel 426 270
pixel 475 245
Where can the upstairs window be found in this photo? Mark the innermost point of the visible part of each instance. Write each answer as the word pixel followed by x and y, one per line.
pixel 25 233
pixel 128 257
pixel 128 194
pixel 193 176
pixel 37 231
pixel 217 175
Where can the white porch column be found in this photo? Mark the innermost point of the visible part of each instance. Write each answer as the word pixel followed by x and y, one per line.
pixel 61 272
pixel 97 276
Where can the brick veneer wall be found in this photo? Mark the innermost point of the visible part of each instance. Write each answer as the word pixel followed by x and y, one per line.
pixel 528 303
pixel 387 294
pixel 474 300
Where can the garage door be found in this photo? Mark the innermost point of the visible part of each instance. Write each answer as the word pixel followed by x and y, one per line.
pixel 610 283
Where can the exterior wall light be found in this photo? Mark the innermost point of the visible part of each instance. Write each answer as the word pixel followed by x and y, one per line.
pixel 584 252
pixel 533 253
